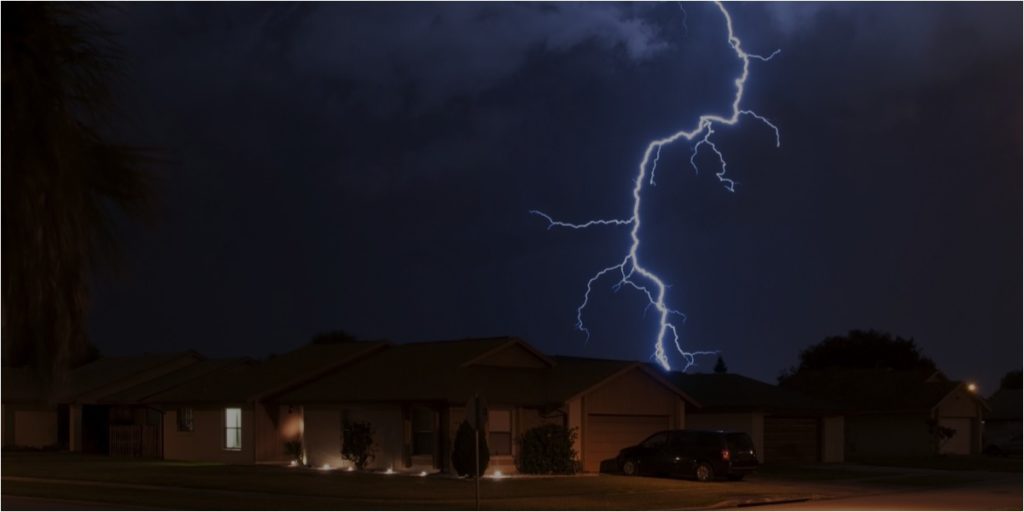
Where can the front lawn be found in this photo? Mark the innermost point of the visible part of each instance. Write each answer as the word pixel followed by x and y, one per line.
pixel 217 486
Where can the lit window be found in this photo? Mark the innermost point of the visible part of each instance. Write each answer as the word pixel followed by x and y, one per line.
pixel 233 428
pixel 185 423
pixel 423 436
pixel 499 435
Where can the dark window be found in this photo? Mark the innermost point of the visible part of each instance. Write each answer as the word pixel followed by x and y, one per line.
pixel 499 432
pixel 185 423
pixel 424 438
pixel 656 441
pixel 739 442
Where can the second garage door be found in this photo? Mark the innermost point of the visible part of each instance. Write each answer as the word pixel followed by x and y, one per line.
pixel 791 440
pixel 606 434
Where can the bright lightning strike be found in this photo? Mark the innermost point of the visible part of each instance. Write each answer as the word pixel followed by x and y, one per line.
pixel 630 271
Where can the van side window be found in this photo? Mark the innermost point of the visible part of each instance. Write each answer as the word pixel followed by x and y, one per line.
pixel 656 441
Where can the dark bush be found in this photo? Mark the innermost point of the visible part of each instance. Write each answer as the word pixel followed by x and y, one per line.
pixel 547 450
pixel 293 449
pixel 357 443
pixel 462 452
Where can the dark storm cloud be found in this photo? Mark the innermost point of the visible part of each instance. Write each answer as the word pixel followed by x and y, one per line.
pixel 370 166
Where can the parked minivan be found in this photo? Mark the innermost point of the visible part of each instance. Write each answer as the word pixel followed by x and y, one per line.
pixel 701 454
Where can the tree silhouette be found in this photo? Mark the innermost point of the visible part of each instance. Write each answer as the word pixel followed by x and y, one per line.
pixel 1012 380
pixel 861 350
pixel 720 366
pixel 62 182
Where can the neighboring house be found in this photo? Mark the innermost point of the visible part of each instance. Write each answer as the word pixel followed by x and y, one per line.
pixel 415 395
pixel 86 420
pixel 29 420
pixel 786 426
pixel 222 416
pixel 899 413
pixel 1002 433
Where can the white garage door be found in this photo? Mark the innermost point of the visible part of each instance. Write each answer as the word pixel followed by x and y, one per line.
pixel 960 443
pixel 606 434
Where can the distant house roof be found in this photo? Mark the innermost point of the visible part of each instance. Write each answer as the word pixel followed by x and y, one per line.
pixel 21 386
pixel 445 371
pixel 876 390
pixel 244 382
pixel 1005 404
pixel 109 374
pixel 721 392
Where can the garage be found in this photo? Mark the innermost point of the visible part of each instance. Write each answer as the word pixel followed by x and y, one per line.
pixel 606 434
pixel 960 443
pixel 791 440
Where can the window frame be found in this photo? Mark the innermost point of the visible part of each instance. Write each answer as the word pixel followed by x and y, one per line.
pixel 180 415
pixel 228 428
pixel 510 433
pixel 432 432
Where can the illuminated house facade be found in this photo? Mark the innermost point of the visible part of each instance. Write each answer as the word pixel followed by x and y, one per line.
pixel 415 395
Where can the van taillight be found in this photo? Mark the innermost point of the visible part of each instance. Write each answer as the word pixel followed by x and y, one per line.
pixel 725 454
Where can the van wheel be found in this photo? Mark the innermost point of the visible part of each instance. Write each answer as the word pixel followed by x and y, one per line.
pixel 631 468
pixel 705 473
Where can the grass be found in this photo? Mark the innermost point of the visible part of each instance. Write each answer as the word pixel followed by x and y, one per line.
pixel 226 487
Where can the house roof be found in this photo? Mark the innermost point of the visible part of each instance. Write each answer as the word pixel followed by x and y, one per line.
pixel 425 371
pixel 21 386
pixel 249 380
pixel 150 387
pixel 444 371
pixel 108 372
pixel 1005 404
pixel 876 390
pixel 732 392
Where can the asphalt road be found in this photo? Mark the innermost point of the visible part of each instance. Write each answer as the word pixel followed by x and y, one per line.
pixel 1002 495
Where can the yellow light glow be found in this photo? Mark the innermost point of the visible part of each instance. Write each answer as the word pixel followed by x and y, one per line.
pixel 325 467
pixel 423 473
pixel 389 471
pixel 972 387
pixel 350 468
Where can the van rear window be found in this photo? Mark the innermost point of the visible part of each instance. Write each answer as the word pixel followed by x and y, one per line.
pixel 739 442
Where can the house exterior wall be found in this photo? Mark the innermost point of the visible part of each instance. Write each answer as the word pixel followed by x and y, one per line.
pixel 888 434
pixel 961 408
pixel 749 422
pixel 389 433
pixel 575 407
pixel 634 393
pixel 28 426
pixel 322 434
pixel 275 426
pixel 206 441
pixel 833 439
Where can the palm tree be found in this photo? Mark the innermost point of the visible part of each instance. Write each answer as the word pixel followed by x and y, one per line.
pixel 61 182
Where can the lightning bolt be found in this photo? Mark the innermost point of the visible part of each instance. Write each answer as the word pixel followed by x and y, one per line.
pixel 630 271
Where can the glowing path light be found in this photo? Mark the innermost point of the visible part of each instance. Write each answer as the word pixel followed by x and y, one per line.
pixel 630 271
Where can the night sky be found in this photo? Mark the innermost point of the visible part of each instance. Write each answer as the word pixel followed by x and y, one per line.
pixel 371 168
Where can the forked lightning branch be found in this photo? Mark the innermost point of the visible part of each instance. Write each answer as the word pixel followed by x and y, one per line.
pixel 630 271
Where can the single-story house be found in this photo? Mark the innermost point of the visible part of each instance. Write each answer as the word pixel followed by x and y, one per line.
pixel 85 420
pixel 1003 428
pixel 29 420
pixel 785 426
pixel 222 415
pixel 899 413
pixel 415 396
